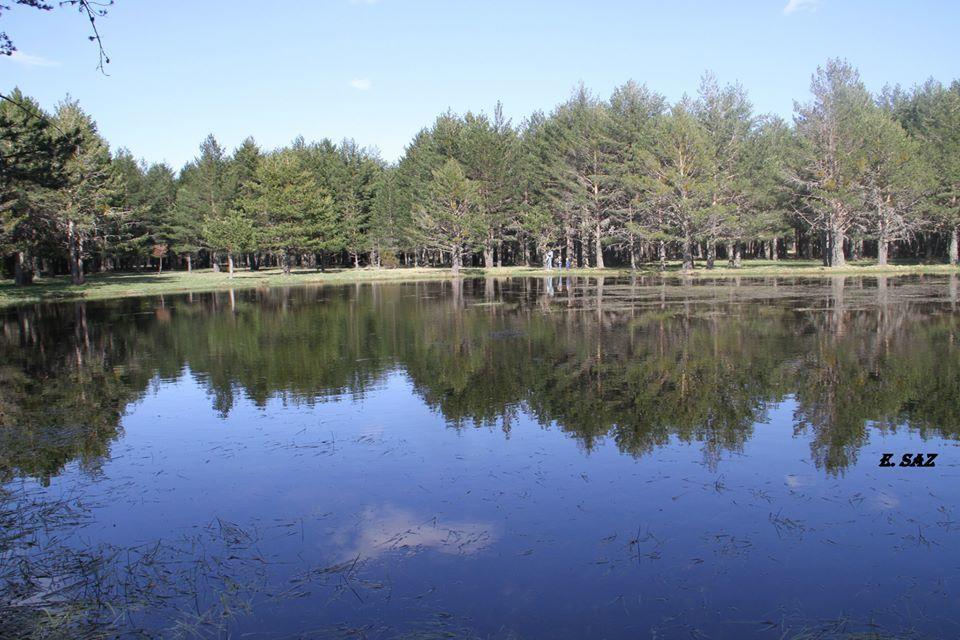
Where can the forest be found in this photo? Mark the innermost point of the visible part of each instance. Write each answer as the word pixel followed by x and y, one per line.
pixel 623 181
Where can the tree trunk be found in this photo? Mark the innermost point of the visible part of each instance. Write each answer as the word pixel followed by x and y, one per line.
pixel 584 246
pixel 456 259
pixel 189 263
pixel 287 260
pixel 230 264
pixel 22 270
pixel 711 254
pixel 76 254
pixel 837 258
pixel 662 254
pixel 213 262
pixel 159 265
pixel 882 242
pixel 488 250
pixel 954 251
pixel 598 246
pixel 687 249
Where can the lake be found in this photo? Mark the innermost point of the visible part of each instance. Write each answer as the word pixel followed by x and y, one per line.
pixel 513 458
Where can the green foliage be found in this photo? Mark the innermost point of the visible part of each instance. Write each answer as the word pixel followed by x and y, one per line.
pixel 204 193
pixel 448 217
pixel 232 232
pixel 33 152
pixel 678 173
pixel 294 213
pixel 832 161
pixel 931 115
pixel 766 200
pixel 80 210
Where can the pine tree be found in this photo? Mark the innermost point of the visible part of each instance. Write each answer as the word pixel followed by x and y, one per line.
pixel 297 214
pixel 580 130
pixel 895 180
pixel 204 194
pixel 678 172
pixel 830 170
pixel 488 153
pixel 767 201
pixel 78 209
pixel 231 233
pixel 358 171
pixel 33 151
pixel 726 116
pixel 448 217
pixel 634 110
pixel 931 114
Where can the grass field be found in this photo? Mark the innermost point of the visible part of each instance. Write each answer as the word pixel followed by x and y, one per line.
pixel 117 285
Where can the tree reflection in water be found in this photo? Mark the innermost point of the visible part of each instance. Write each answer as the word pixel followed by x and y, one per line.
pixel 631 360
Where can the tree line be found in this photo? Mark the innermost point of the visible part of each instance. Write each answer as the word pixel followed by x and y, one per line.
pixel 596 182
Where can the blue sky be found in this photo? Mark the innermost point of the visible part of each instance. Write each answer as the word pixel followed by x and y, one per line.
pixel 379 70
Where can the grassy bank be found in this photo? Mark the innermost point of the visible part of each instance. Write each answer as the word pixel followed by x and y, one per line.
pixel 117 285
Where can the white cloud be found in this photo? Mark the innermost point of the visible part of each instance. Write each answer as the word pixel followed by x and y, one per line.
pixel 385 528
pixel 800 5
pixel 361 84
pixel 28 60
pixel 795 481
pixel 887 501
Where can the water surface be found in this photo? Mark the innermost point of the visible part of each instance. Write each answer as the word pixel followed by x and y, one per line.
pixel 513 458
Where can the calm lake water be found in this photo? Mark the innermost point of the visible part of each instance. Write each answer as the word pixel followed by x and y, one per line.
pixel 515 458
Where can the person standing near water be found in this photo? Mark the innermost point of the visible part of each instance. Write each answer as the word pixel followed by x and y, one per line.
pixel 548 260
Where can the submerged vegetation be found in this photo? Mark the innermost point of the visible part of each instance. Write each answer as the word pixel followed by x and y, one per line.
pixel 626 181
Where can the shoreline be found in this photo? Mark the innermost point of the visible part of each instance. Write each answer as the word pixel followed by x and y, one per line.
pixel 135 284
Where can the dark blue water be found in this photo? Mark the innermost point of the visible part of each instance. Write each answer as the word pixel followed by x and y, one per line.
pixel 614 460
